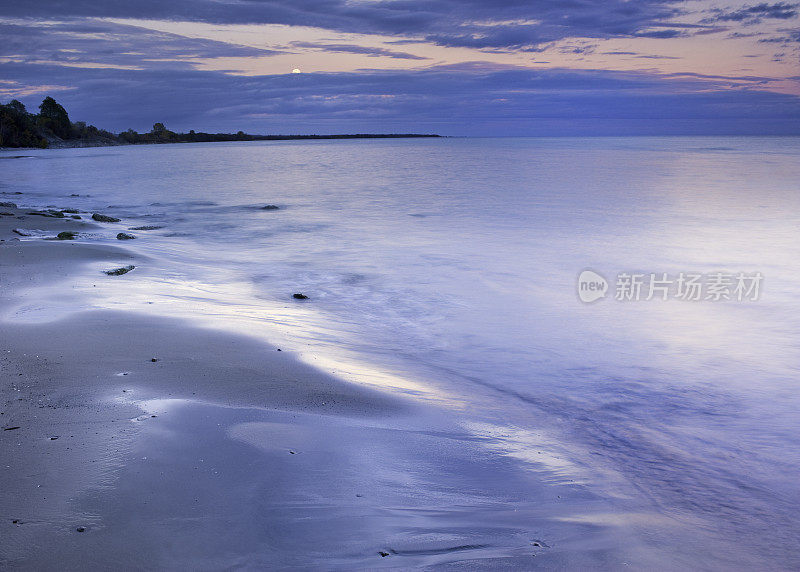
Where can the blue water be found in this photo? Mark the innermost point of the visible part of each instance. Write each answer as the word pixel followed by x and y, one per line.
pixel 446 269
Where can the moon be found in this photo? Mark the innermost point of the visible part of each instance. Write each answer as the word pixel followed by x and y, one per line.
pixel 296 70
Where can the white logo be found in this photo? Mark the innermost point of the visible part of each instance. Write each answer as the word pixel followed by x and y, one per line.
pixel 591 286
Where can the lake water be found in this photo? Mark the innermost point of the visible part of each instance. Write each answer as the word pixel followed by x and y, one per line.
pixel 447 269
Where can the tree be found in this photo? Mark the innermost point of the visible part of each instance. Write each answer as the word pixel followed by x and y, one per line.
pixel 18 128
pixel 54 117
pixel 18 106
pixel 130 136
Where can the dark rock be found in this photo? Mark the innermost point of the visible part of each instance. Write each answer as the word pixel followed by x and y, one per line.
pixel 9 428
pixel 66 235
pixel 54 437
pixel 270 208
pixel 383 554
pixel 120 271
pixel 9 205
pixel 147 227
pixel 154 360
pixel 47 213
pixel 81 529
pixel 125 236
pixel 299 296
pixel 6 214
pixel 70 211
pixel 76 217
pixel 104 218
pixel 20 232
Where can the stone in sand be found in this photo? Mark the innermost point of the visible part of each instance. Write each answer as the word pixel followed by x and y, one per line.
pixel 8 205
pixel 299 296
pixel 47 213
pixel 270 208
pixel 120 271
pixel 66 235
pixel 20 232
pixel 104 218
pixel 125 236
pixel 147 227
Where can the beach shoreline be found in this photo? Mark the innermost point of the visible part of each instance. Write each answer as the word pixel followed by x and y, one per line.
pixel 74 387
pixel 383 434
pixel 120 430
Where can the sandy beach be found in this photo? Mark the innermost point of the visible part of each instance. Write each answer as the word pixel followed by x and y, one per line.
pixel 137 442
pixel 77 391
pixel 440 400
pixel 368 284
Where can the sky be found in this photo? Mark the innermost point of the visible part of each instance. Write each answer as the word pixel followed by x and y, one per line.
pixel 453 67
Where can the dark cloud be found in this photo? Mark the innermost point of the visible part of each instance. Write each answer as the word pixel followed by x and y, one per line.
pixel 736 35
pixel 642 56
pixel 577 49
pixel 354 49
pixel 467 23
pixel 790 37
pixel 110 44
pixel 657 57
pixel 755 14
pixel 741 79
pixel 470 99
pixel 661 34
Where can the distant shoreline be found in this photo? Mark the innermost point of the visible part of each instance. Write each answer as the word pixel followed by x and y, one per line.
pixel 103 142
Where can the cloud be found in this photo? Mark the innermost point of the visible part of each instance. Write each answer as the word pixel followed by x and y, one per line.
pixel 109 44
pixel 642 56
pixel 657 57
pixel 355 49
pixel 469 99
pixel 755 14
pixel 661 34
pixel 463 23
pixel 791 36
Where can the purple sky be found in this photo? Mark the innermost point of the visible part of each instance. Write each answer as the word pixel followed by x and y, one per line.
pixel 456 67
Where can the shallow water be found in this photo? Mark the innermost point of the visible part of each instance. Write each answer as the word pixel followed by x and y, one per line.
pixel 447 269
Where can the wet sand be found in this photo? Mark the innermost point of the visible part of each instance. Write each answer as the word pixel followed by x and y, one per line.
pixel 135 442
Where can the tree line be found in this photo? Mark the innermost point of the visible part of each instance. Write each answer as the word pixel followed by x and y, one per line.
pixel 18 128
pixel 52 126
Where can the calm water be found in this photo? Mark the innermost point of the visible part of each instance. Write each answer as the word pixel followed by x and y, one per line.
pixel 447 269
